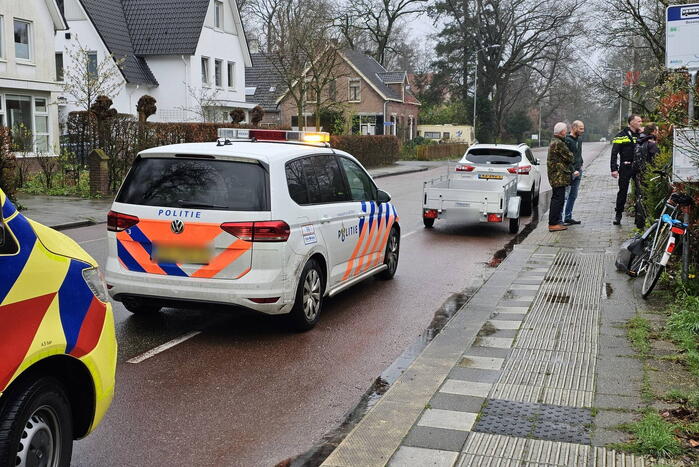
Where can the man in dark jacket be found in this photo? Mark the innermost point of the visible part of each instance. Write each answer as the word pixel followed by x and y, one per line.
pixel 621 163
pixel 559 167
pixel 574 143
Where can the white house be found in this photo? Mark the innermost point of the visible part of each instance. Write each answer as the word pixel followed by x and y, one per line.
pixel 28 86
pixel 184 53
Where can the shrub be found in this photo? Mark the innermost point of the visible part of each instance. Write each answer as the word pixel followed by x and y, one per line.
pixel 237 115
pixel 145 107
pixel 371 151
pixel 256 115
pixel 8 164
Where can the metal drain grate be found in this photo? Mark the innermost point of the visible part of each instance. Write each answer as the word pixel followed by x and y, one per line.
pixel 532 420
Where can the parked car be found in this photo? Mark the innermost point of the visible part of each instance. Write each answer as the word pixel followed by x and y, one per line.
pixel 57 344
pixel 259 220
pixel 506 158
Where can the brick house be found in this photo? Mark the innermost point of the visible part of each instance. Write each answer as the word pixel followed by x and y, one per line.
pixel 378 101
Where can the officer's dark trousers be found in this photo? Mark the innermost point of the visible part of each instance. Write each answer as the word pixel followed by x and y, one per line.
pixel 558 198
pixel 625 176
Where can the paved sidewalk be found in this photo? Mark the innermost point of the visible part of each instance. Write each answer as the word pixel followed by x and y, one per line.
pixel 63 212
pixel 512 380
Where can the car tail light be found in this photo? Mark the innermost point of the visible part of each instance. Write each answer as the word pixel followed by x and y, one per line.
pixel 465 168
pixel 678 230
pixel 430 214
pixel 116 221
pixel 265 231
pixel 494 218
pixel 264 300
pixel 524 170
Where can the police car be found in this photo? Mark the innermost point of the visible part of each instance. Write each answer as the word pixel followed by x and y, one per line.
pixel 57 344
pixel 269 220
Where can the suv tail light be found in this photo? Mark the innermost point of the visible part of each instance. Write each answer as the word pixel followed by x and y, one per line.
pixel 524 170
pixel 116 221
pixel 264 231
pixel 465 168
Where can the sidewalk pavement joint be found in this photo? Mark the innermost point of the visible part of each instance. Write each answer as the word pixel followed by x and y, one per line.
pixel 538 340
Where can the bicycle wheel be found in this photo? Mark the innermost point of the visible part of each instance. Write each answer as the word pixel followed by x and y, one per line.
pixel 640 215
pixel 654 267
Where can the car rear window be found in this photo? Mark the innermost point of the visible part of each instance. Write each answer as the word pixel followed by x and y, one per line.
pixel 493 156
pixel 196 183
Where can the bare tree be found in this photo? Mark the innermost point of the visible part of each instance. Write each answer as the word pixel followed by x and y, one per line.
pixel 205 105
pixel 87 76
pixel 379 20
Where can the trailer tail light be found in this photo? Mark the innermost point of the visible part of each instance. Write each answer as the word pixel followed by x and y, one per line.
pixel 494 218
pixel 678 230
pixel 465 168
pixel 524 170
pixel 116 221
pixel 430 214
pixel 265 231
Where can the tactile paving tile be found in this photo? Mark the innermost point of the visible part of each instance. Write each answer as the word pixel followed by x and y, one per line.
pixel 532 420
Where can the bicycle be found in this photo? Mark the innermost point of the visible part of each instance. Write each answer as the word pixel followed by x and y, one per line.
pixel 640 212
pixel 653 249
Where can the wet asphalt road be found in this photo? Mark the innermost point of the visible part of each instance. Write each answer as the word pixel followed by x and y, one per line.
pixel 247 391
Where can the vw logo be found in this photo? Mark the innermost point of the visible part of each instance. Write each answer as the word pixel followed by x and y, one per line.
pixel 177 226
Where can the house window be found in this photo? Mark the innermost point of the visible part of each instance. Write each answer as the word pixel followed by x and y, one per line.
pixel 205 70
pixel 92 64
pixel 59 66
pixel 354 90
pixel 2 37
pixel 19 118
pixel 23 40
pixel 2 112
pixel 218 14
pixel 332 90
pixel 218 73
pixel 231 74
pixel 311 94
pixel 41 125
pixel 433 135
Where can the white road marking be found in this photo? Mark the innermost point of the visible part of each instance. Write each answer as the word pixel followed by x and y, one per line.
pixel 409 234
pixel 163 347
pixel 92 241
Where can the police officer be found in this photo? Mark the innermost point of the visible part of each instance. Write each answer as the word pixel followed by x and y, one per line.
pixel 621 162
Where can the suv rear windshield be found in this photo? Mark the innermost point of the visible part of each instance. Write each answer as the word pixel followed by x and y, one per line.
pixel 196 183
pixel 493 156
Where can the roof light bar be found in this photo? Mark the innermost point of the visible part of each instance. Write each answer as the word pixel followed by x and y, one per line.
pixel 274 135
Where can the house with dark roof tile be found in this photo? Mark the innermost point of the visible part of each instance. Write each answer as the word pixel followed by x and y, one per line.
pixel 379 101
pixel 187 54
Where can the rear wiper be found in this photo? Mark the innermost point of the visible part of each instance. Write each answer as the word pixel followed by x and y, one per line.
pixel 194 204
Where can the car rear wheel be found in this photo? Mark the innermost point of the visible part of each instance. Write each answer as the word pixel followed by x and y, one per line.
pixel 36 425
pixel 141 306
pixel 527 202
pixel 391 255
pixel 428 221
pixel 514 225
pixel 309 297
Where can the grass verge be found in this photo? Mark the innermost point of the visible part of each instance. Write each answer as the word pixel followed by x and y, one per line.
pixel 653 436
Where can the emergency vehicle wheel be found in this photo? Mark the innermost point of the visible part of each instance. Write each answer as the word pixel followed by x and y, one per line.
pixel 514 225
pixel 391 255
pixel 140 306
pixel 309 297
pixel 428 221
pixel 36 425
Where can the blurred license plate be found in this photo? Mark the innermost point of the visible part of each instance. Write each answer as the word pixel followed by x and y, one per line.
pixel 489 177
pixel 181 255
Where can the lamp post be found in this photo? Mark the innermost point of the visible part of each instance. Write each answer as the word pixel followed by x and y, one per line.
pixel 475 84
pixel 621 94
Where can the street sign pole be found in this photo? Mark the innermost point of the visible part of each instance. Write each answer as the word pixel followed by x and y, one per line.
pixel 685 219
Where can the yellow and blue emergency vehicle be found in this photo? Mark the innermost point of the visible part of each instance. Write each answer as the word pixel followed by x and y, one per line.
pixel 57 342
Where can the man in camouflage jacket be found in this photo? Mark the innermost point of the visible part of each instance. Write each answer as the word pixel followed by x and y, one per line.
pixel 559 167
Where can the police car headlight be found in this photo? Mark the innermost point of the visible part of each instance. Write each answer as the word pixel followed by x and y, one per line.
pixel 94 279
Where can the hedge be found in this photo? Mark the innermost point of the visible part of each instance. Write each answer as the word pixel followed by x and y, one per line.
pixel 371 151
pixel 7 164
pixel 441 151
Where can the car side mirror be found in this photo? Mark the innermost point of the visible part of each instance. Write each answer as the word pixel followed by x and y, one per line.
pixel 383 197
pixel 537 161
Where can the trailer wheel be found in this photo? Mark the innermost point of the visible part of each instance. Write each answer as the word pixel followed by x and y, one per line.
pixel 514 225
pixel 428 221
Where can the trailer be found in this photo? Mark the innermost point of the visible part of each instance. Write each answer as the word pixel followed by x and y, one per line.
pixel 488 197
